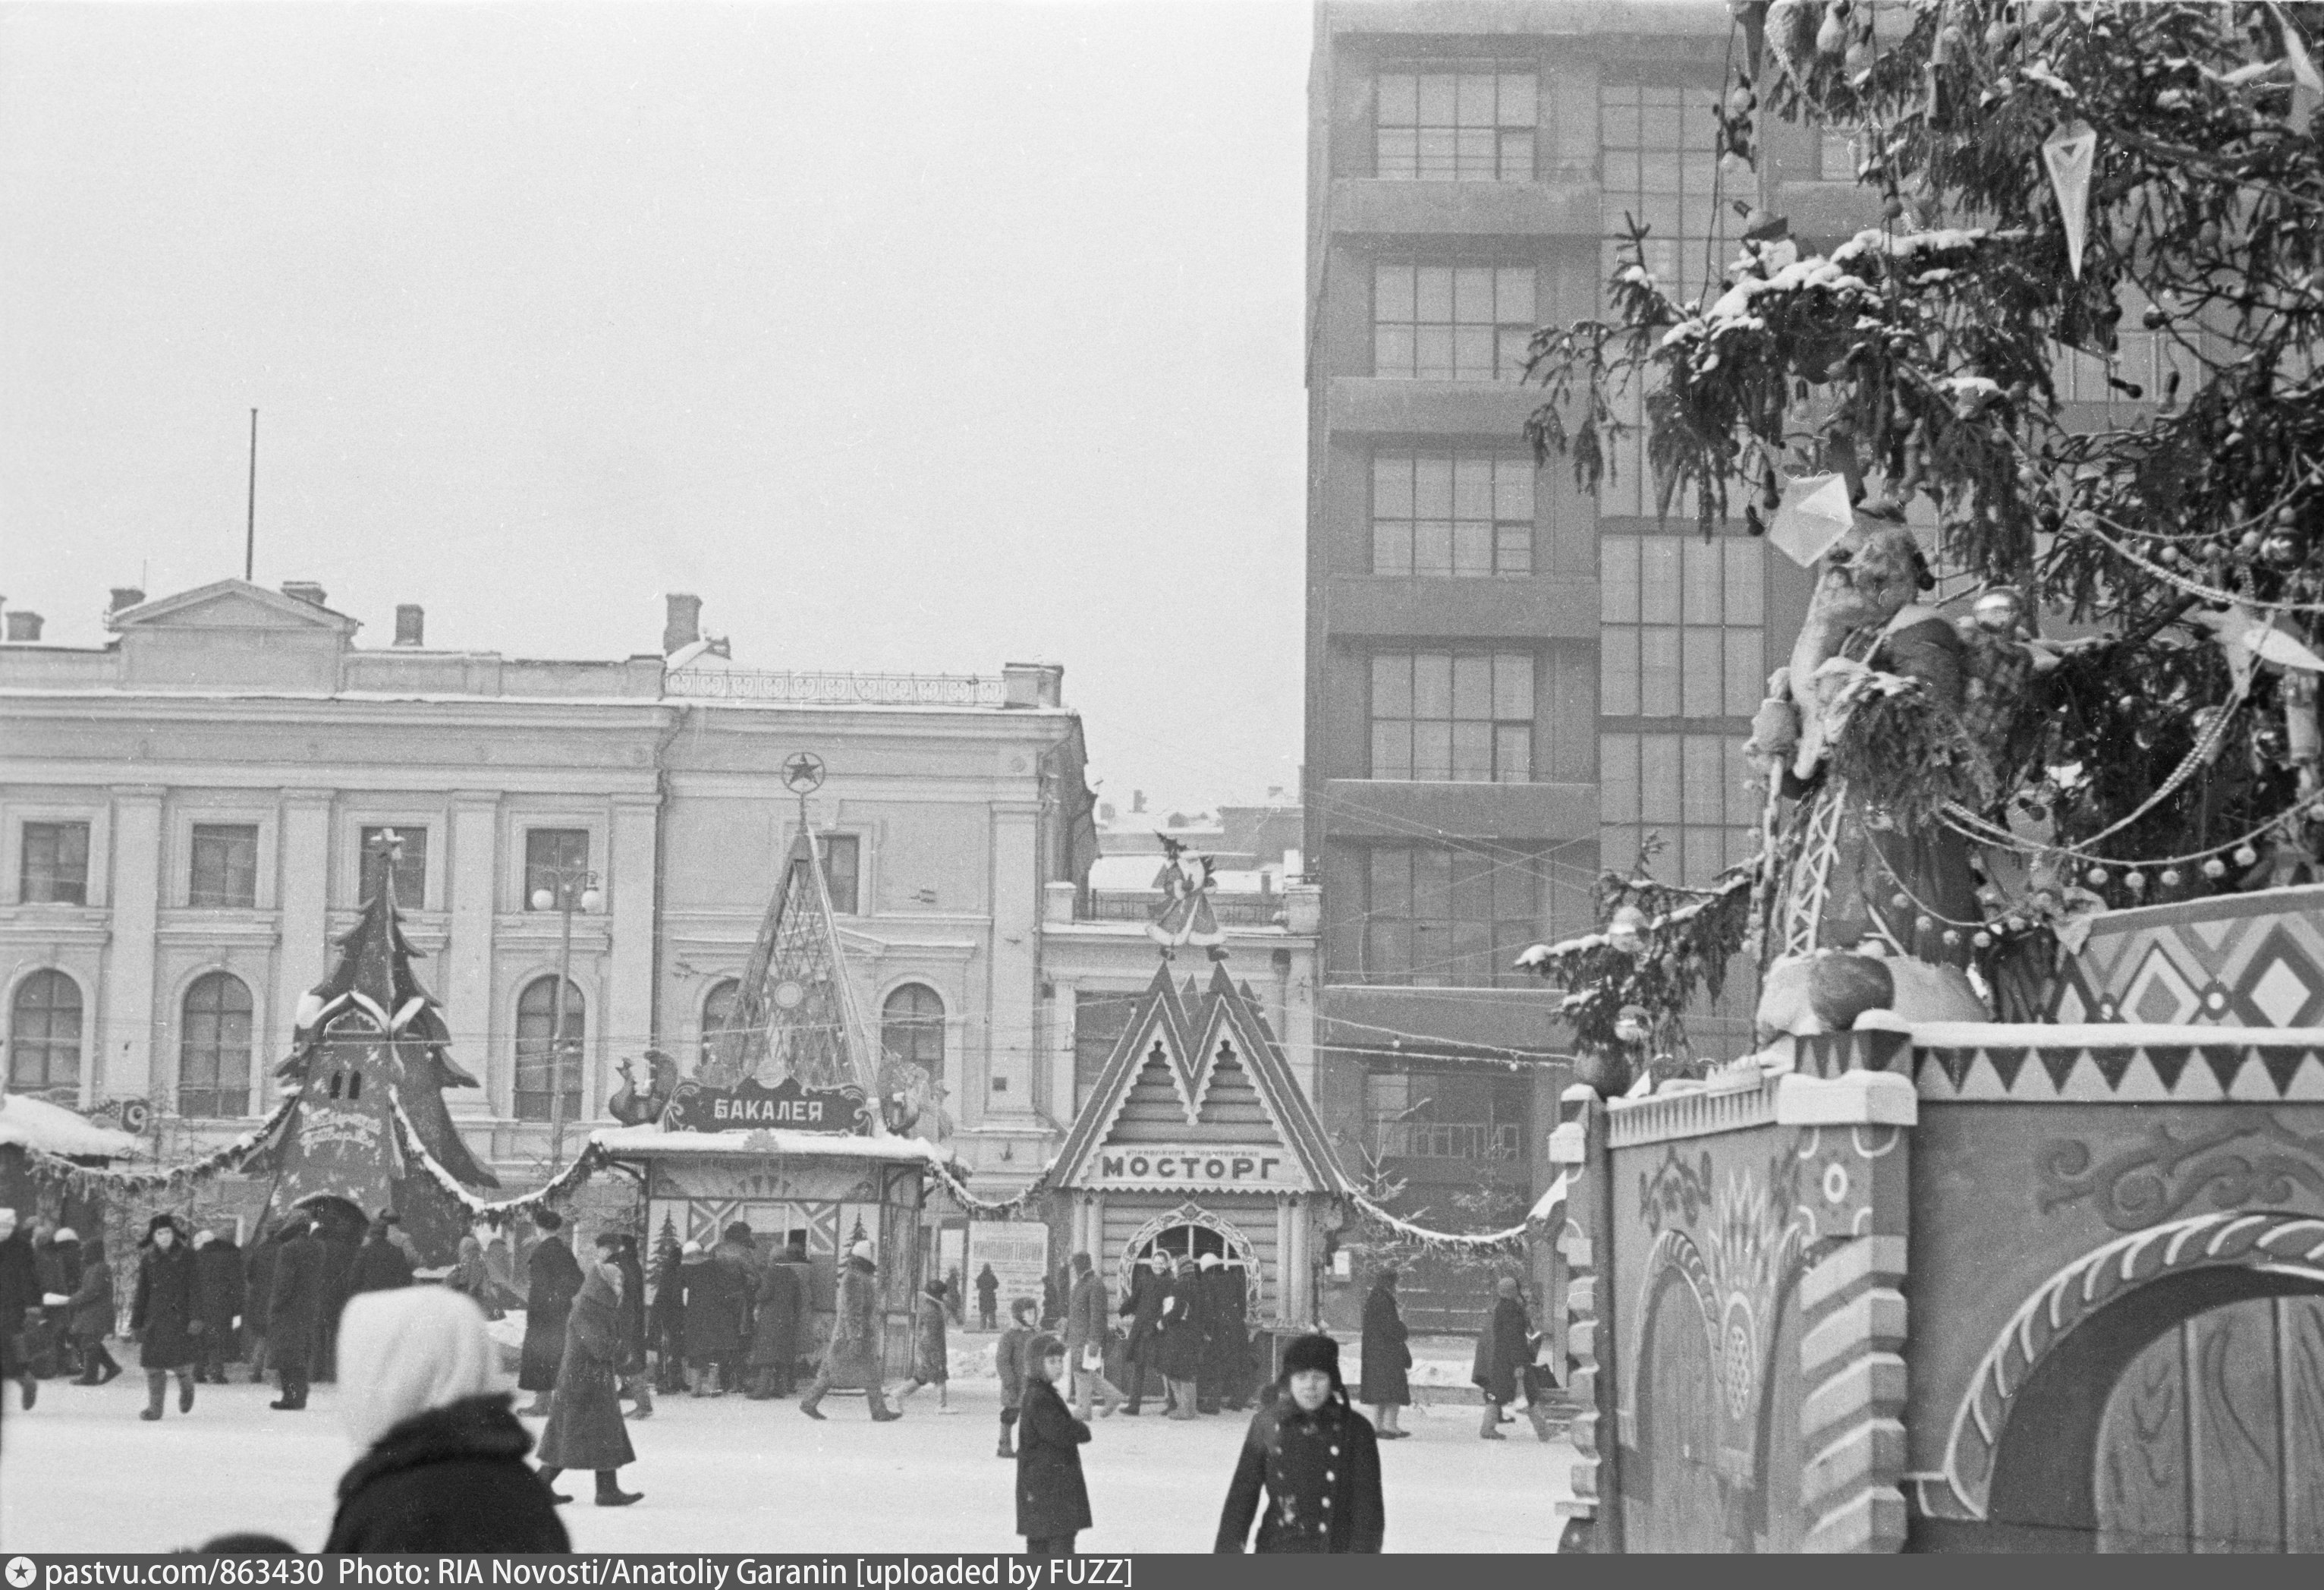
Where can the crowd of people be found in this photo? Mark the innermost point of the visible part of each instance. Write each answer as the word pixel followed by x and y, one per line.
pixel 441 1463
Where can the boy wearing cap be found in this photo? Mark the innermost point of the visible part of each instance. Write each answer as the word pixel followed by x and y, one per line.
pixel 1052 1500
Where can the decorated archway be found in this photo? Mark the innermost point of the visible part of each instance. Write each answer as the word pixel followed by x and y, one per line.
pixel 1188 1232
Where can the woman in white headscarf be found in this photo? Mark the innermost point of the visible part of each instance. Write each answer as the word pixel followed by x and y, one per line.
pixel 442 1459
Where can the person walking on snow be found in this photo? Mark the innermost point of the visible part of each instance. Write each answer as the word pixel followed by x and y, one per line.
pixel 20 1292
pixel 853 1358
pixel 637 1381
pixel 988 1296
pixel 1504 1348
pixel 584 1428
pixel 1085 1340
pixel 88 1316
pixel 294 1302
pixel 217 1271
pixel 166 1316
pixel 1317 1459
pixel 440 1463
pixel 552 1279
pixel 1052 1498
pixel 1008 1363
pixel 931 1357
pixel 1387 1356
pixel 257 1293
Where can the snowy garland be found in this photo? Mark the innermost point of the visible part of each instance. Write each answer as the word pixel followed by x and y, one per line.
pixel 1513 1241
pixel 79 1178
pixel 1009 1209
pixel 587 1163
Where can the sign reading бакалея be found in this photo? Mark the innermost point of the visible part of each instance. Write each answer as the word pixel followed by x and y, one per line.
pixel 1212 1166
pixel 750 1107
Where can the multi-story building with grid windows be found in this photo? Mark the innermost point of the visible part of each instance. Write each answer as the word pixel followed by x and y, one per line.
pixel 1509 684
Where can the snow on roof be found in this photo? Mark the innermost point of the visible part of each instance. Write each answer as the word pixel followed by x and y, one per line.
pixel 31 1122
pixel 641 1141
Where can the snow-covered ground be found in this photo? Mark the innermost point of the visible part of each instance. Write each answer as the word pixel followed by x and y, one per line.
pixel 82 1472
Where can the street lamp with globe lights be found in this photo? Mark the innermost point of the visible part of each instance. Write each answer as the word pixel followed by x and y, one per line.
pixel 571 890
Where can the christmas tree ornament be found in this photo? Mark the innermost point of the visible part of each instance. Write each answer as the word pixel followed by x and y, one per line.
pixel 1982 940
pixel 2097 875
pixel 1815 512
pixel 2171 877
pixel 2245 855
pixel 2215 868
pixel 2135 881
pixel 2067 154
pixel 1831 38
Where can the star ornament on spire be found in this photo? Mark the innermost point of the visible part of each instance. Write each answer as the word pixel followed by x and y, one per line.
pixel 803 772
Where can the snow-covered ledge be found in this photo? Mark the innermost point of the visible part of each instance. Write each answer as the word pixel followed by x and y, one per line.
pixel 1855 1098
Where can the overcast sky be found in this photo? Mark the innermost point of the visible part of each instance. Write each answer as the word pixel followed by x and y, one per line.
pixel 911 336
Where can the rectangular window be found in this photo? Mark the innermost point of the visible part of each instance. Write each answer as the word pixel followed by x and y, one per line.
pixel 1456 121
pixel 1452 717
pixel 224 866
pixel 1445 1115
pixel 1099 1020
pixel 1697 791
pixel 1681 632
pixel 554 858
pixel 54 867
pixel 1451 512
pixel 1441 322
pixel 842 858
pixel 411 865
pixel 1436 917
pixel 1839 151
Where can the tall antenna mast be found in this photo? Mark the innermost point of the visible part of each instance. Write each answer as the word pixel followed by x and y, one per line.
pixel 250 518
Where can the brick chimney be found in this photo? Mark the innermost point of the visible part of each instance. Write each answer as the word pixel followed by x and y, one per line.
pixel 410 619
pixel 24 626
pixel 303 590
pixel 683 626
pixel 123 598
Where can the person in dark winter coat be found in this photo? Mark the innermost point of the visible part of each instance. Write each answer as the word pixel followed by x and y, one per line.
pixel 621 1248
pixel 218 1271
pixel 502 1269
pixel 1178 1331
pixel 1052 1499
pixel 60 1258
pixel 738 1251
pixel 1388 1359
pixel 853 1358
pixel 988 1296
pixel 1147 1283
pixel 1009 1363
pixel 711 1292
pixel 89 1316
pixel 1504 1348
pixel 1226 1337
pixel 584 1428
pixel 1056 1287
pixel 441 1464
pixel 381 1266
pixel 167 1315
pixel 1316 1457
pixel 553 1278
pixel 341 1244
pixel 778 1324
pixel 294 1303
pixel 1086 1335
pixel 258 1294
pixel 931 1355
pixel 20 1292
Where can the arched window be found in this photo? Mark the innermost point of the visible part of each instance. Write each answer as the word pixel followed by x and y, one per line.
pixel 912 1028
pixel 45 1035
pixel 535 1025
pixel 717 1009
pixel 214 1048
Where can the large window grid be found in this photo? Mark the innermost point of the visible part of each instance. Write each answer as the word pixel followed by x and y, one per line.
pixel 1443 321
pixel 1437 917
pixel 1452 717
pixel 536 1072
pixel 1697 791
pixel 225 872
pixel 44 1035
pixel 553 857
pixel 1452 512
pixel 1456 121
pixel 1445 1115
pixel 912 1028
pixel 214 1049
pixel 411 865
pixel 53 867
pixel 1683 621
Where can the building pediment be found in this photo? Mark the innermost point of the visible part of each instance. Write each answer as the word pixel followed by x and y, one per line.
pixel 232 605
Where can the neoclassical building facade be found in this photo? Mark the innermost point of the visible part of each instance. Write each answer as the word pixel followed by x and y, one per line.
pixel 187 816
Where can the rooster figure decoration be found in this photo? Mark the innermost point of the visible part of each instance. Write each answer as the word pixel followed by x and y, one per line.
pixel 1185 916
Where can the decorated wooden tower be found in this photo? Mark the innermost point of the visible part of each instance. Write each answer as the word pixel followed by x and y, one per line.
pixel 368 1066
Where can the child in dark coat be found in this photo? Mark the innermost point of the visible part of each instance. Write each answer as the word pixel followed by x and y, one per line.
pixel 1009 1362
pixel 1052 1502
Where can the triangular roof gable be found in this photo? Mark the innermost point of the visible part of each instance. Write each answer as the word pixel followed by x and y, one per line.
pixel 1189 1027
pixel 264 609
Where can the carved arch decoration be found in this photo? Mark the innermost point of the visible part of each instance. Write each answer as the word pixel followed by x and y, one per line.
pixel 2235 1239
pixel 1237 1244
pixel 1671 1250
